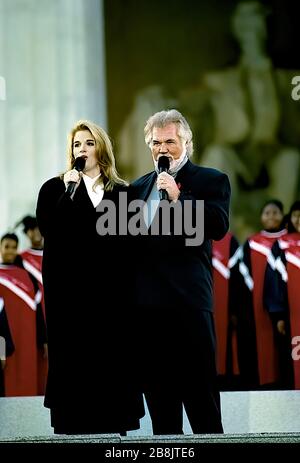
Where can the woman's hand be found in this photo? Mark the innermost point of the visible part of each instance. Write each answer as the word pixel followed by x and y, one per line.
pixel 72 176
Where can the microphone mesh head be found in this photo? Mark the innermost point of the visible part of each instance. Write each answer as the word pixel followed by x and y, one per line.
pixel 79 163
pixel 163 163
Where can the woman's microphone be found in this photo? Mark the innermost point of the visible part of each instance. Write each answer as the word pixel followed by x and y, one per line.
pixel 79 165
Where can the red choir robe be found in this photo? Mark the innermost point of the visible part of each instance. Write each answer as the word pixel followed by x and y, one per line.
pixel 255 255
pixel 32 262
pixel 282 294
pixel 6 344
pixel 292 255
pixel 18 292
pixel 225 257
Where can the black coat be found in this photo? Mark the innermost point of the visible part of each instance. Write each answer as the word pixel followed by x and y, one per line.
pixel 174 283
pixel 89 335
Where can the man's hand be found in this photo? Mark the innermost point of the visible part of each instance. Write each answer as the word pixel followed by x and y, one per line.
pixel 3 363
pixel 167 182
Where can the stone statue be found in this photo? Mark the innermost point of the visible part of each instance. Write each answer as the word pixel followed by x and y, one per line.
pixel 247 124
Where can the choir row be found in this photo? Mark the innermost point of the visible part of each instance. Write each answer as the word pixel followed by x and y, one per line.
pixel 257 310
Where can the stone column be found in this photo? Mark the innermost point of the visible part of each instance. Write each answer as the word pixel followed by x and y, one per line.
pixel 52 61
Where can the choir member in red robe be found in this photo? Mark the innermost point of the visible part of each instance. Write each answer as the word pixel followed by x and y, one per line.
pixel 20 301
pixel 32 261
pixel 259 354
pixel 281 298
pixel 226 277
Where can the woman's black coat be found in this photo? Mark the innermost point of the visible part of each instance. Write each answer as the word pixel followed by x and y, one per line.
pixel 91 386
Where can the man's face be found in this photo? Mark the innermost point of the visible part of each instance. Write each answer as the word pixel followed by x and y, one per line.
pixel 165 141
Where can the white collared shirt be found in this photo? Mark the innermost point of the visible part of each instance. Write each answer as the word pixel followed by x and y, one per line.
pixel 151 205
pixel 95 194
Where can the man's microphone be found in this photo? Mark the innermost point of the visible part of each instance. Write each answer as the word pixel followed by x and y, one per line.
pixel 79 165
pixel 163 165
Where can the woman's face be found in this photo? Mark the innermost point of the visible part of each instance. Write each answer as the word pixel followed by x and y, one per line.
pixel 271 217
pixel 295 219
pixel 8 250
pixel 84 145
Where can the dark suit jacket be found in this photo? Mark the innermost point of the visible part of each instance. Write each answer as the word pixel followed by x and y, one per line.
pixel 170 273
pixel 173 293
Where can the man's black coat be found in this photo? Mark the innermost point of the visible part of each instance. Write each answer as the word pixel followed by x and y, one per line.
pixel 173 294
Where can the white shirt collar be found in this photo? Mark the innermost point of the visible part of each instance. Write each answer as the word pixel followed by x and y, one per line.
pixel 95 194
pixel 88 180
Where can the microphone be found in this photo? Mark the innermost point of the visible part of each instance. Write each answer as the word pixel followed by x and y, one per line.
pixel 79 165
pixel 163 165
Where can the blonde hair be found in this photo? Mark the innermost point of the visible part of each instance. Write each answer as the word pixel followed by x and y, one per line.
pixel 104 153
pixel 171 116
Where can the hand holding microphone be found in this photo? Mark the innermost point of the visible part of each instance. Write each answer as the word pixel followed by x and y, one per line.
pixel 166 184
pixel 163 165
pixel 72 177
